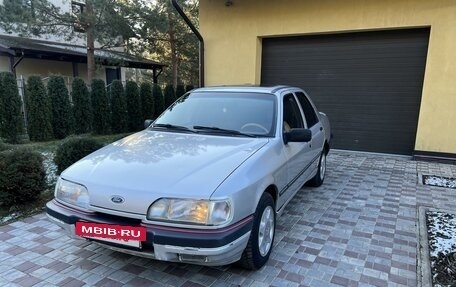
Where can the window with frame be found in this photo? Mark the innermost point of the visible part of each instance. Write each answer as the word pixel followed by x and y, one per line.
pixel 309 111
pixel 291 114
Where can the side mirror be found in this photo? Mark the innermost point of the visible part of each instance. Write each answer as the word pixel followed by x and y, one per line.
pixel 147 123
pixel 297 135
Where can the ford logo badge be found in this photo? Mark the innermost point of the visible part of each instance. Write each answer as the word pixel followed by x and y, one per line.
pixel 117 199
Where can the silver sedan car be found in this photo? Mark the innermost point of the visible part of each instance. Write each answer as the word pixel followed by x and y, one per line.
pixel 204 182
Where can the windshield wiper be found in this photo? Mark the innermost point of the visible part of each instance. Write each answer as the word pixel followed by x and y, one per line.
pixel 173 127
pixel 224 131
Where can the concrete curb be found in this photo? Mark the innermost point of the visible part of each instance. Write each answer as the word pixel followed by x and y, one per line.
pixel 423 265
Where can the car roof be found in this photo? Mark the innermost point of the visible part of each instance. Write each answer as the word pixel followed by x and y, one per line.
pixel 256 89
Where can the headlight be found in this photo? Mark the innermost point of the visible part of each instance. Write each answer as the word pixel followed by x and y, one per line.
pixel 190 211
pixel 72 193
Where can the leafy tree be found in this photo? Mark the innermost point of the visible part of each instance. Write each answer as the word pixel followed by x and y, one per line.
pixel 158 99
pixel 135 121
pixel 11 121
pixel 100 105
pixel 170 96
pixel 108 22
pixel 119 107
pixel 62 118
pixel 82 107
pixel 39 110
pixel 180 91
pixel 147 101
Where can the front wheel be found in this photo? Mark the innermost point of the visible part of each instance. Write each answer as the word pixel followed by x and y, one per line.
pixel 318 179
pixel 259 247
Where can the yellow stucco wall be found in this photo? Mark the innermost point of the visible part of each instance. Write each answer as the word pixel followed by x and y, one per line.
pixel 28 67
pixel 233 45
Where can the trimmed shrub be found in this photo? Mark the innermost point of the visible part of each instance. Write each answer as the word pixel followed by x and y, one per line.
pixel 189 88
pixel 82 107
pixel 170 95
pixel 147 101
pixel 22 176
pixel 119 107
pixel 135 122
pixel 62 117
pixel 101 123
pixel 11 121
pixel 39 110
pixel 74 149
pixel 158 100
pixel 3 146
pixel 180 91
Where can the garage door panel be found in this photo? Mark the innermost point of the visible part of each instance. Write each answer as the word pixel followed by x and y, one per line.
pixel 369 83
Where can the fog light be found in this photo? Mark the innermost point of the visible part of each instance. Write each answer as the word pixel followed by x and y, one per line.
pixel 192 258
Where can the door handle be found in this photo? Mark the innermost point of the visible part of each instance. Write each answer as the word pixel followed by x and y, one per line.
pixel 321 128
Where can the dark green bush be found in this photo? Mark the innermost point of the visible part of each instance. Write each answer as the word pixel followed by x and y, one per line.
pixel 170 95
pixel 3 146
pixel 62 118
pixel 11 121
pixel 82 107
pixel 158 100
pixel 22 176
pixel 189 88
pixel 73 149
pixel 101 123
pixel 147 101
pixel 135 122
pixel 39 113
pixel 119 107
pixel 180 91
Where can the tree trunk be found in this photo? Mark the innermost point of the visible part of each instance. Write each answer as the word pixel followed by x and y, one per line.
pixel 172 43
pixel 90 41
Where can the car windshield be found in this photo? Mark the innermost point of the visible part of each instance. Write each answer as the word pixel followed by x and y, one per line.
pixel 228 113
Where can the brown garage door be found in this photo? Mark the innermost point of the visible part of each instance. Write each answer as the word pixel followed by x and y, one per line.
pixel 368 83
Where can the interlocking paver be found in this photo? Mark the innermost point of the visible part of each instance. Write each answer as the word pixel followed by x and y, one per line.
pixel 358 229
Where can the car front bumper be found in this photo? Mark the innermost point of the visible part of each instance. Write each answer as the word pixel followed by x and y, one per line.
pixel 213 247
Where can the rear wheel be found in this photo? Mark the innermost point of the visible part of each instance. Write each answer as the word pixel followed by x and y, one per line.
pixel 259 247
pixel 318 179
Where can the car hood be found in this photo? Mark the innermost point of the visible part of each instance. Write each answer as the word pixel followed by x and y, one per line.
pixel 150 164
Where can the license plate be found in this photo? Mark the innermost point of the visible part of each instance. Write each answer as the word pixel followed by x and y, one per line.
pixel 119 234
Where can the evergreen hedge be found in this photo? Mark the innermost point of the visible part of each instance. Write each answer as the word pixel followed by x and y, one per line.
pixel 189 88
pixel 135 122
pixel 11 120
pixel 22 176
pixel 82 107
pixel 158 100
pixel 39 110
pixel 147 101
pixel 180 91
pixel 62 118
pixel 74 149
pixel 170 95
pixel 101 123
pixel 119 108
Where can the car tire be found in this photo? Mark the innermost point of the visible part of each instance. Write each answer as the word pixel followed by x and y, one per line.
pixel 318 179
pixel 261 240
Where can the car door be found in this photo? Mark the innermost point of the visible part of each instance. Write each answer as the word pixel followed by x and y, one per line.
pixel 297 153
pixel 313 123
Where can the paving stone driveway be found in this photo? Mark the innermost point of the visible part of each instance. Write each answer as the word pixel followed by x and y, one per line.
pixel 358 229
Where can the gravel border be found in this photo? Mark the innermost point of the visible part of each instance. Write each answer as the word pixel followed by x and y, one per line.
pixel 424 272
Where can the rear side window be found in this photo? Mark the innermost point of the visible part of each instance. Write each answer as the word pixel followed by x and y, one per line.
pixel 309 112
